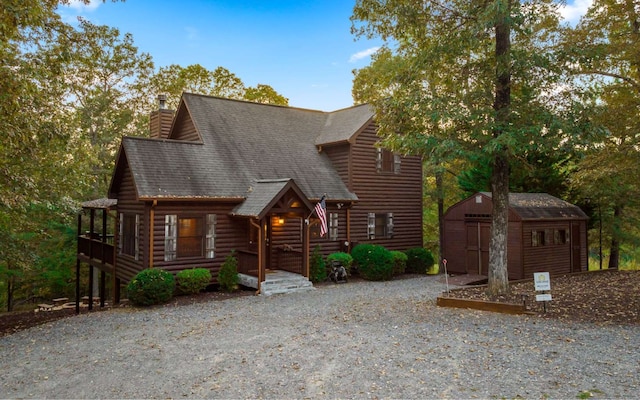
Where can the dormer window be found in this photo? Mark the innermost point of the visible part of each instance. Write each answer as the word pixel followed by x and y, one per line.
pixel 386 161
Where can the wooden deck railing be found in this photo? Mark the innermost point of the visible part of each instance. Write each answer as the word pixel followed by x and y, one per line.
pixel 288 260
pixel 96 249
pixel 247 262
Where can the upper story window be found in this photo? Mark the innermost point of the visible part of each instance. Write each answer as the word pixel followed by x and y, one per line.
pixel 380 226
pixel 188 237
pixel 333 226
pixel 386 161
pixel 129 242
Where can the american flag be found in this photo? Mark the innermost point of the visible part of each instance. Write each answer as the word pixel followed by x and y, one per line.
pixel 321 210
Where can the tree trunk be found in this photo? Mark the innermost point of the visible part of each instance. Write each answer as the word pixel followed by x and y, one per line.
pixel 614 251
pixel 498 280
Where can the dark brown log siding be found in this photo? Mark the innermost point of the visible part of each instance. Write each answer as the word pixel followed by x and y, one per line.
pixel 127 266
pixel 400 194
pixel 184 129
pixel 231 234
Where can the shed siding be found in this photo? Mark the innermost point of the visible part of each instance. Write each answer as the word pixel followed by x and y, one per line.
pixel 523 258
pixel 400 194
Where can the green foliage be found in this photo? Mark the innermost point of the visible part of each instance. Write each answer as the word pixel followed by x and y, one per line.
pixel 228 274
pixel 419 260
pixel 151 286
pixel 192 281
pixel 399 262
pixel 345 259
pixel 317 266
pixel 375 263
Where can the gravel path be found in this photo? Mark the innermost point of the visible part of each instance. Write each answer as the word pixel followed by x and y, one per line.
pixel 357 340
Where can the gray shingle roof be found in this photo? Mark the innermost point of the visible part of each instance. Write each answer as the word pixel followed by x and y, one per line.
pixel 542 206
pixel 243 143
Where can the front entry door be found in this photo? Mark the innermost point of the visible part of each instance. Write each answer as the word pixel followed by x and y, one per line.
pixel 478 235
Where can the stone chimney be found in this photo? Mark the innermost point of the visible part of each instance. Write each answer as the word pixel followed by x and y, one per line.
pixel 160 120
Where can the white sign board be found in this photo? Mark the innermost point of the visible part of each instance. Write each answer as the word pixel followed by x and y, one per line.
pixel 543 297
pixel 541 281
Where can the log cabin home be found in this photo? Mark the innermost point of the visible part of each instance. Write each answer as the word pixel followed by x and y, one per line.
pixel 219 175
pixel 545 234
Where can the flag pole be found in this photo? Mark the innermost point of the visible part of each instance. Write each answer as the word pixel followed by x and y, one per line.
pixel 314 209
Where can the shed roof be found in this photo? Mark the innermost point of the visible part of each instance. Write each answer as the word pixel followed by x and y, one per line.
pixel 531 206
pixel 243 143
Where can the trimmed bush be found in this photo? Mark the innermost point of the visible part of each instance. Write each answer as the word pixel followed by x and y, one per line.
pixel 228 274
pixel 375 263
pixel 419 260
pixel 399 262
pixel 345 259
pixel 317 266
pixel 192 281
pixel 151 286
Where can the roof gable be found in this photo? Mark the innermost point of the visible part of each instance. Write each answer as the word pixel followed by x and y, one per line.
pixel 240 143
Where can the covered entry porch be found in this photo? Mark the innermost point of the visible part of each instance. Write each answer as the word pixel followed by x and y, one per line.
pixel 277 257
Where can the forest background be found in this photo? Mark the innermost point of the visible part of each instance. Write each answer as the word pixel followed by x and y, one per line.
pixel 69 93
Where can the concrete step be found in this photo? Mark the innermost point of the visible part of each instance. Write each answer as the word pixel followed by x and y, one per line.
pixel 278 282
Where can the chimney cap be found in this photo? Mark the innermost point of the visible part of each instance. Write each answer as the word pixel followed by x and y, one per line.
pixel 162 101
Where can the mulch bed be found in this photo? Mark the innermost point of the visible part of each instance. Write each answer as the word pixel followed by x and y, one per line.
pixel 601 297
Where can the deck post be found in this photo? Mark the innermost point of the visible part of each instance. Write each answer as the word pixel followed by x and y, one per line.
pixel 78 264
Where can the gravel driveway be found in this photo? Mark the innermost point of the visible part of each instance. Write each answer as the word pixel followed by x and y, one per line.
pixel 356 340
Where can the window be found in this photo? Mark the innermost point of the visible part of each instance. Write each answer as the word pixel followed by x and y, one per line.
pixel 386 161
pixel 560 236
pixel 189 237
pixel 129 243
pixel 537 238
pixel 380 226
pixel 170 237
pixel 333 226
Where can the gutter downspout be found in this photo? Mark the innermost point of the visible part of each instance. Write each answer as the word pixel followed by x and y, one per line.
pixel 260 273
pixel 152 216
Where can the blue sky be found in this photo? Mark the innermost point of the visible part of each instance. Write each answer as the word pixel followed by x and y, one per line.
pixel 304 49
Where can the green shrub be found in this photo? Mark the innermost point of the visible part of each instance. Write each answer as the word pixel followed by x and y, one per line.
pixel 317 266
pixel 375 263
pixel 419 260
pixel 399 262
pixel 192 281
pixel 151 286
pixel 228 274
pixel 344 258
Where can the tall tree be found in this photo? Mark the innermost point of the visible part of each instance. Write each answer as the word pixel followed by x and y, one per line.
pixel 471 78
pixel 602 51
pixel 175 79
pixel 102 69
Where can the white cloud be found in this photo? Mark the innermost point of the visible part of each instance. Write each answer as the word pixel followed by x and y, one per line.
pixel 363 54
pixel 80 6
pixel 572 12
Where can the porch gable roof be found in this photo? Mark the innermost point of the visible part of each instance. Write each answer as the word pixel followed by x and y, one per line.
pixel 265 194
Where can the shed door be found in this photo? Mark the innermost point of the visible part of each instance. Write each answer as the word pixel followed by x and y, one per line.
pixel 576 247
pixel 478 235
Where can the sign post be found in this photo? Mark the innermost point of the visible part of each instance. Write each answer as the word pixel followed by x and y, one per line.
pixel 542 283
pixel 446 275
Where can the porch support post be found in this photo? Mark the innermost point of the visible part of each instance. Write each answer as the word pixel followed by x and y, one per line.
pixel 78 264
pixel 305 250
pixel 102 257
pixel 92 221
pixel 115 279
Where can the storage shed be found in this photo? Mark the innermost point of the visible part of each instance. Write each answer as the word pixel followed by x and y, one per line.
pixel 546 234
